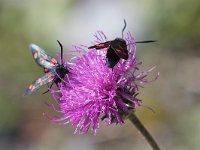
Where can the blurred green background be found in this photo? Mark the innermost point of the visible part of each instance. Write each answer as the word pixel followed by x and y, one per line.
pixel 174 96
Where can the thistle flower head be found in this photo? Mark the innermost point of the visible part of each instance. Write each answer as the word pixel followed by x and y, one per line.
pixel 92 92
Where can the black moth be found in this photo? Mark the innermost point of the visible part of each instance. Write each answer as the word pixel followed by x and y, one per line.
pixel 117 49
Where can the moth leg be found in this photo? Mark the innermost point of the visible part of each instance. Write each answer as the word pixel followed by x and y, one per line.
pixel 49 87
pixel 46 91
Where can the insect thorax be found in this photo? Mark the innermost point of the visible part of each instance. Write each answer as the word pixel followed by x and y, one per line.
pixel 61 71
pixel 119 41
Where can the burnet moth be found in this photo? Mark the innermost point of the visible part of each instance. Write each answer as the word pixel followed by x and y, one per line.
pixel 117 49
pixel 54 71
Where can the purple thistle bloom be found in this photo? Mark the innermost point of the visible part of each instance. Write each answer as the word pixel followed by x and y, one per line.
pixel 92 92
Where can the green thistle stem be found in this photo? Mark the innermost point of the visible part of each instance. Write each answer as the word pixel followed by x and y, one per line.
pixel 143 131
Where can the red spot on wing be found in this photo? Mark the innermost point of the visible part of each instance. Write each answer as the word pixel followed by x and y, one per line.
pixel 118 50
pixel 50 77
pixel 54 60
pixel 35 55
pixel 42 61
pixel 40 82
pixel 39 53
pixel 100 45
pixel 52 64
pixel 31 87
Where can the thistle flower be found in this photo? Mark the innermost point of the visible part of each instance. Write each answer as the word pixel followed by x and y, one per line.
pixel 92 92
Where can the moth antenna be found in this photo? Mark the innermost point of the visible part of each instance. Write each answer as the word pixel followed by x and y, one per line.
pixel 145 41
pixel 141 42
pixel 61 50
pixel 123 28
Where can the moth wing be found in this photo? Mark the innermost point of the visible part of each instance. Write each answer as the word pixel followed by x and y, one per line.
pixel 35 85
pixel 111 58
pixel 42 58
pixel 120 49
pixel 100 45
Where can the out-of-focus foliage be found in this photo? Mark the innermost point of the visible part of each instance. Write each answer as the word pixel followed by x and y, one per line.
pixel 179 24
pixel 174 96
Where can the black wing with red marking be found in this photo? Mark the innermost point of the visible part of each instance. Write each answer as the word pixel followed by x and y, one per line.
pixel 120 47
pixel 47 78
pixel 100 45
